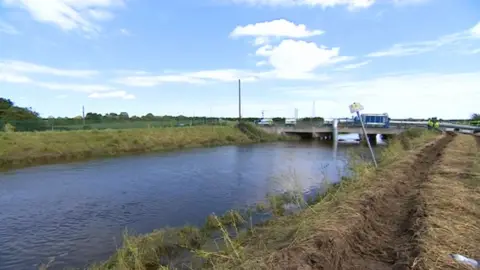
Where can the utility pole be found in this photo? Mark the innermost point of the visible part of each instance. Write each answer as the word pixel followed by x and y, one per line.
pixel 239 100
pixel 83 115
pixel 313 113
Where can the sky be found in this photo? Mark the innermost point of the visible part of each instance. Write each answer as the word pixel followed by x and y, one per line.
pixel 407 58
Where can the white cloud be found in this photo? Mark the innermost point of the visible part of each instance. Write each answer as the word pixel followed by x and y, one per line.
pixel 86 88
pixel 261 41
pixel 8 28
pixel 299 57
pixel 13 78
pixel 354 65
pixel 476 30
pixel 409 2
pixel 291 58
pixel 351 4
pixel 219 75
pixel 411 95
pixel 149 81
pixel 275 28
pixel 413 48
pixel 125 32
pixel 11 72
pixel 69 14
pixel 475 51
pixel 100 15
pixel 116 94
pixel 25 67
pixel 261 63
pixel 199 77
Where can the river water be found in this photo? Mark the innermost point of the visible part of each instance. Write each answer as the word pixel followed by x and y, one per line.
pixel 77 212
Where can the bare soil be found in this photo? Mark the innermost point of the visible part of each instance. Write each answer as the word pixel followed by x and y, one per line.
pixel 383 231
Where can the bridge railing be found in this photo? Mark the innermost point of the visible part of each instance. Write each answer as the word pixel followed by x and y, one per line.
pixel 398 124
pixel 305 125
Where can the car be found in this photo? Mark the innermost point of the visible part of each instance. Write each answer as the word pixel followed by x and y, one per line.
pixel 266 122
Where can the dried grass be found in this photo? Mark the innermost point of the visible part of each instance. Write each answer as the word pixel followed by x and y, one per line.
pixel 452 198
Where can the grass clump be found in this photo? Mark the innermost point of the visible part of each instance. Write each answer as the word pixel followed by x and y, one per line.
pixel 29 148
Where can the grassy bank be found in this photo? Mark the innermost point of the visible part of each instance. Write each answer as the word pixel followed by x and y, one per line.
pixel 452 199
pixel 18 149
pixel 232 242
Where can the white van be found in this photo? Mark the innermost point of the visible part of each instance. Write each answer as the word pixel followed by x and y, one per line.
pixel 290 122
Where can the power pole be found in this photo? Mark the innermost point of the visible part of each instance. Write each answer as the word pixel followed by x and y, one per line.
pixel 313 113
pixel 83 115
pixel 239 100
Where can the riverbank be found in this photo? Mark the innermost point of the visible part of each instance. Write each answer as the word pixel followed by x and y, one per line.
pixel 333 227
pixel 411 214
pixel 451 201
pixel 21 149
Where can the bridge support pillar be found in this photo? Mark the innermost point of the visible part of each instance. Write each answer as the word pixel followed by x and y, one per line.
pixel 372 138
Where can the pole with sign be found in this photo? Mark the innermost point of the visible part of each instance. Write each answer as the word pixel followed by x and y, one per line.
pixel 356 108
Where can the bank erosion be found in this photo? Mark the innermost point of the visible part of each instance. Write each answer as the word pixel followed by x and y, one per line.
pixel 20 149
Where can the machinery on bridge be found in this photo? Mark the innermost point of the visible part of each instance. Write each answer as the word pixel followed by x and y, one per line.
pixel 373 120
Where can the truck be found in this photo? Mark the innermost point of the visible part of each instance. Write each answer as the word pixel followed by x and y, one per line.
pixel 374 120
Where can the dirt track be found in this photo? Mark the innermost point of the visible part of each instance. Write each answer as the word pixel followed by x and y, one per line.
pixel 382 232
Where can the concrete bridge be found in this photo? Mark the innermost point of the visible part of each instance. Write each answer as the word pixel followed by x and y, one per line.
pixel 330 131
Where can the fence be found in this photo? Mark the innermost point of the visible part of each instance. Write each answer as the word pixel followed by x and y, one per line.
pixel 62 125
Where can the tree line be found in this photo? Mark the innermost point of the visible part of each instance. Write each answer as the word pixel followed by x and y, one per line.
pixel 26 119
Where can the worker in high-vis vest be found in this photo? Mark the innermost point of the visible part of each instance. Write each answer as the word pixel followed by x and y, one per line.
pixel 437 125
pixel 430 124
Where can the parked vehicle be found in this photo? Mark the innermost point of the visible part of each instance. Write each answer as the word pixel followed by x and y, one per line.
pixel 265 122
pixel 290 122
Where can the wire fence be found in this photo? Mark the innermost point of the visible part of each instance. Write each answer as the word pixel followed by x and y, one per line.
pixel 79 124
pixel 61 125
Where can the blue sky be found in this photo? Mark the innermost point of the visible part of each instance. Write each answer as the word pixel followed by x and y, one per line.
pixel 409 58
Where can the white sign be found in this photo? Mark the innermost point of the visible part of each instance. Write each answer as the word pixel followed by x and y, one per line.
pixel 355 107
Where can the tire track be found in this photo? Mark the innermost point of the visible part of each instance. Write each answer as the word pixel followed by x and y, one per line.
pixel 407 246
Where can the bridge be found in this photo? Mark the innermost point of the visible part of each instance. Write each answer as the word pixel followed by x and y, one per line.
pixel 328 131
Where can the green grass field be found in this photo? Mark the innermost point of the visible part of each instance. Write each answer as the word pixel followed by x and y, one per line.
pixel 19 149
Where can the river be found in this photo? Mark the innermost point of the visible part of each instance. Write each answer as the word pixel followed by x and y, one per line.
pixel 77 212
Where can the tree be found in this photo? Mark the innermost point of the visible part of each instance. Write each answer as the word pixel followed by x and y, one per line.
pixel 475 116
pixel 148 116
pixel 94 117
pixel 124 116
pixel 21 119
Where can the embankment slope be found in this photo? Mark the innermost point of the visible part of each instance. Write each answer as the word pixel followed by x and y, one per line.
pixel 374 222
pixel 19 149
pixel 452 206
